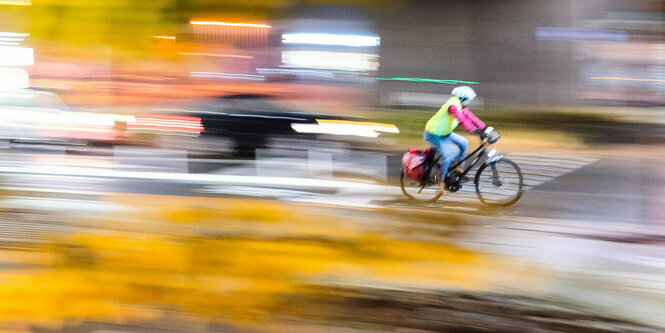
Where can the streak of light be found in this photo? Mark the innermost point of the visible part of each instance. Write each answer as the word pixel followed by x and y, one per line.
pixel 228 76
pixel 330 39
pixel 415 79
pixel 342 127
pixel 215 55
pixel 330 60
pixel 231 24
pixel 624 79
pixel 379 127
pixel 164 37
pixel 160 122
pixel 13 34
pixel 16 2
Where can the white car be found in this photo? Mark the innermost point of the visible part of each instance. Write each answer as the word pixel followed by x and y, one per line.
pixel 33 116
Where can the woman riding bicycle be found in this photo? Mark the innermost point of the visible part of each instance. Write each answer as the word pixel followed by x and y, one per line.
pixel 439 129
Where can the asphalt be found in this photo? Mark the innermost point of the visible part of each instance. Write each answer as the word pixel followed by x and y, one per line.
pixel 595 222
pixel 558 185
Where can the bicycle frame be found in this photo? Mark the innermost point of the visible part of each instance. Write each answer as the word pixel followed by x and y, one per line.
pixel 480 151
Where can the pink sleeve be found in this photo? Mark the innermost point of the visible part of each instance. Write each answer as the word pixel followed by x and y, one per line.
pixel 467 119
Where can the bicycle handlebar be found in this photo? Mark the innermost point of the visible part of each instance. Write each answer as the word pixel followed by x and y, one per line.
pixel 489 134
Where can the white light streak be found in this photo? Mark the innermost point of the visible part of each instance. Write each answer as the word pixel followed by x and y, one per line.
pixel 227 76
pixel 331 60
pixel 331 39
pixel 11 78
pixel 16 56
pixel 343 127
pixel 16 2
pixel 231 24
pixel 13 34
pixel 216 55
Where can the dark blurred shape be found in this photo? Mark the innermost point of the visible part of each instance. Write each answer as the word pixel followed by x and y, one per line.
pixel 250 121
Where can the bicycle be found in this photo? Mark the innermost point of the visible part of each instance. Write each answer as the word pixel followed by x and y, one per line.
pixel 498 181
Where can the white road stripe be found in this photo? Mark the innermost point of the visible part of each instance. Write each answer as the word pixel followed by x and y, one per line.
pixel 287 188
pixel 562 156
pixel 539 169
pixel 193 178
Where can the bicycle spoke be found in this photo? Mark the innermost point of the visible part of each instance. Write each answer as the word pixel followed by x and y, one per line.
pixel 501 186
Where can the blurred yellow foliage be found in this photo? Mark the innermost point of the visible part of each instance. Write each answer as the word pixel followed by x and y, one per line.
pixel 127 274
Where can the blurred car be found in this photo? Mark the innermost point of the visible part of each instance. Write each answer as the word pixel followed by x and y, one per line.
pixel 25 115
pixel 29 116
pixel 242 123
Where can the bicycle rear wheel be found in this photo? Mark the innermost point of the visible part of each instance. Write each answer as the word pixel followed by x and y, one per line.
pixel 414 190
pixel 499 183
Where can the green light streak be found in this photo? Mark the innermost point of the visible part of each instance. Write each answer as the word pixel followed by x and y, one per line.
pixel 415 79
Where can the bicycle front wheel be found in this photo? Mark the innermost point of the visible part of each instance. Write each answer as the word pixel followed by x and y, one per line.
pixel 499 183
pixel 414 190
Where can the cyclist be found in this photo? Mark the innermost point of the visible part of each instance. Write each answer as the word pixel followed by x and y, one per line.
pixel 439 129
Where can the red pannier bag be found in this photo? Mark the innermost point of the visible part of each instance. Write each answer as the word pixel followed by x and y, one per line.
pixel 413 164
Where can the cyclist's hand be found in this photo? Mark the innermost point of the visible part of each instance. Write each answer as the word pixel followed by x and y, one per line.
pixel 482 133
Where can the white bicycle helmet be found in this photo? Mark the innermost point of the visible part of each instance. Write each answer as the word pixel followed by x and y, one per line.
pixel 465 94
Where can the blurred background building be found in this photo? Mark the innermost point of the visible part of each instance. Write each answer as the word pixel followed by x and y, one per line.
pixel 534 52
pixel 566 52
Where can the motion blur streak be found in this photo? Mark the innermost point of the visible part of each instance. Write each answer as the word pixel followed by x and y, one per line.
pixel 330 39
pixel 231 76
pixel 331 60
pixel 626 79
pixel 161 122
pixel 345 128
pixel 581 34
pixel 215 55
pixel 13 78
pixel 16 2
pixel 13 34
pixel 16 56
pixel 231 24
pixel 164 37
pixel 414 79
pixel 387 128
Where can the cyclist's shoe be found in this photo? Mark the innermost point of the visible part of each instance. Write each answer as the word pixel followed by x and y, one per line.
pixel 458 171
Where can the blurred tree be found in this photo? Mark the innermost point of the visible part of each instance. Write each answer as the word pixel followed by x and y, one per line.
pixel 129 24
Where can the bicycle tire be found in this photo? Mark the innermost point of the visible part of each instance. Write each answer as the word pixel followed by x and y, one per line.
pixel 513 196
pixel 405 182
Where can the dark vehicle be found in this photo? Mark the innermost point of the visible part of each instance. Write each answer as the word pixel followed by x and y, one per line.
pixel 247 122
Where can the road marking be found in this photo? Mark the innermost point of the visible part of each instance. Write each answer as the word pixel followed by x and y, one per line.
pixel 51 190
pixel 255 191
pixel 192 178
pixel 538 169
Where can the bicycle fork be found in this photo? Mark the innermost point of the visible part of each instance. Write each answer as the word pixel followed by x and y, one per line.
pixel 496 179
